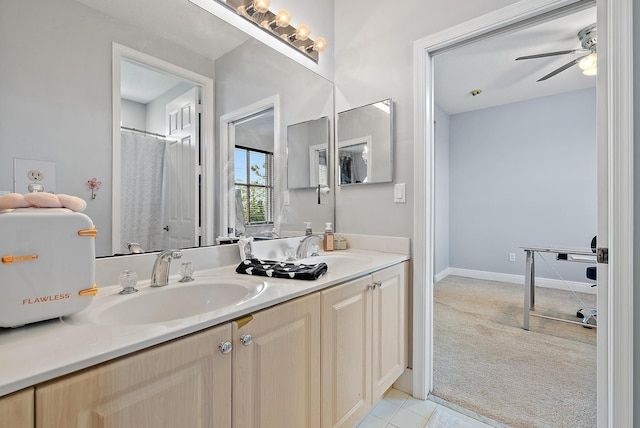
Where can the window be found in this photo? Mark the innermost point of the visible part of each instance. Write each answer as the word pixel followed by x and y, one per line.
pixel 254 180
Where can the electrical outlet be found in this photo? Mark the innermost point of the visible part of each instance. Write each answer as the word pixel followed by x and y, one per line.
pixel 35 175
pixel 30 175
pixel 512 257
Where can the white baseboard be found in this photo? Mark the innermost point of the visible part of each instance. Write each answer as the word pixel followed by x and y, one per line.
pixel 442 274
pixel 516 279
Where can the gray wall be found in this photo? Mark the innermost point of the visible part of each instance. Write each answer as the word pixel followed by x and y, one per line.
pixel 133 114
pixel 523 174
pixel 375 62
pixel 441 250
pixel 55 96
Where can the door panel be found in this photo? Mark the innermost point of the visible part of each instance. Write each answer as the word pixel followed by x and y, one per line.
pixel 182 172
pixel 346 353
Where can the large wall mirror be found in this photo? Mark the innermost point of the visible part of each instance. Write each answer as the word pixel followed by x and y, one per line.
pixel 365 144
pixel 162 155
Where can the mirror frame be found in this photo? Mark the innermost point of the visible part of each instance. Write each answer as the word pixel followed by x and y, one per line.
pixel 207 186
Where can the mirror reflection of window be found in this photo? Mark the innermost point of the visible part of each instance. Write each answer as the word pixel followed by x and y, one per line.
pixel 254 182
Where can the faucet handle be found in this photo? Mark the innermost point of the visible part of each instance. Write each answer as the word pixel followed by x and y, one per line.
pixel 174 254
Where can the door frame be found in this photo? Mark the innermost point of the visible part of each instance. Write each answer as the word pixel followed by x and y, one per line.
pixel 227 144
pixel 208 170
pixel 615 180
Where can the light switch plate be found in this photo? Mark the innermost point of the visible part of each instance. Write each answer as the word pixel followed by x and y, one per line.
pixel 28 172
pixel 399 196
pixel 285 198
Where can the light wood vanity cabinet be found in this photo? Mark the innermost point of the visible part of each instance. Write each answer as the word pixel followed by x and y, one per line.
pixel 364 343
pixel 276 371
pixel 183 383
pixel 17 409
pixel 271 378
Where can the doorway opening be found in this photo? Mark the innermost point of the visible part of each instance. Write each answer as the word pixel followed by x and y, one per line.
pixel 515 166
pixel 615 193
pixel 250 149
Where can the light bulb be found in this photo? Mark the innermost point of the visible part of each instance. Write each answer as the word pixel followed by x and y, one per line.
pixel 283 18
pixel 588 62
pixel 319 44
pixel 261 5
pixel 591 71
pixel 302 32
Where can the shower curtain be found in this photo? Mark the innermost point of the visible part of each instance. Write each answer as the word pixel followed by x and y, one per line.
pixel 141 212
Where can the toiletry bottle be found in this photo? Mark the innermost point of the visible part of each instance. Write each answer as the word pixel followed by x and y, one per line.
pixel 327 242
pixel 307 230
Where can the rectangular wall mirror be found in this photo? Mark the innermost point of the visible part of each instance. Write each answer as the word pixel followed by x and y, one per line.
pixel 365 144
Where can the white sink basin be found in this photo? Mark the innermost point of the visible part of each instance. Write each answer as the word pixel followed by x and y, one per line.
pixel 172 302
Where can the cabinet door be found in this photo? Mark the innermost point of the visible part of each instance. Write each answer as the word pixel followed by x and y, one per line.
pixel 346 353
pixel 390 320
pixel 276 375
pixel 17 409
pixel 184 383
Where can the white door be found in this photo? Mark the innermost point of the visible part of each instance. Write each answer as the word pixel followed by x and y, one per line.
pixel 181 190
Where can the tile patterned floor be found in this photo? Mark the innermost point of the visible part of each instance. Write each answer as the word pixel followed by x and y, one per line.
pixel 400 410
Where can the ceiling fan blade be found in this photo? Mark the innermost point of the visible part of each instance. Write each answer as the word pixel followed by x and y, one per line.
pixel 546 54
pixel 560 69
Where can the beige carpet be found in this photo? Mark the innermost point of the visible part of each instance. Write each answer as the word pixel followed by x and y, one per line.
pixel 484 360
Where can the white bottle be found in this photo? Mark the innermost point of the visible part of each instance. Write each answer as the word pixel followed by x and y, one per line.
pixel 307 230
pixel 327 242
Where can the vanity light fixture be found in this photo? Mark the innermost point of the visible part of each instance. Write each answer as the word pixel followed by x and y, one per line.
pixel 279 25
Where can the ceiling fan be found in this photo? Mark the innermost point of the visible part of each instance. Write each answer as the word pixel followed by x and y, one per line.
pixel 587 62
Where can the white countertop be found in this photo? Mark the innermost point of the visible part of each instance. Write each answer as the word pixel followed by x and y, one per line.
pixel 43 351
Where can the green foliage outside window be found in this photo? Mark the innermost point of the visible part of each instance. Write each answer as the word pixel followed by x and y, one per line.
pixel 254 180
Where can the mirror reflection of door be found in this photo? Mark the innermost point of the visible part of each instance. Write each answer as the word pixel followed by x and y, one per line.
pixel 157 167
pixel 181 176
pixel 254 174
pixel 318 165
pixel 354 162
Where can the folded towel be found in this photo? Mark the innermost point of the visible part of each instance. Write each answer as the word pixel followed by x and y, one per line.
pixel 42 200
pixel 275 269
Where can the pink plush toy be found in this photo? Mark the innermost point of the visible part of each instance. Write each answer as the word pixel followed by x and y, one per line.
pixel 42 200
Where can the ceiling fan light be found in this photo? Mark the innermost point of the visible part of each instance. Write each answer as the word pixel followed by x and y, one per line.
pixel 588 62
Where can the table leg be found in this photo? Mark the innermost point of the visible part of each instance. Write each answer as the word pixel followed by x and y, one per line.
pixel 529 287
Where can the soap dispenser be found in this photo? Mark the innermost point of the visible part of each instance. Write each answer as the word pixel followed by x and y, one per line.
pixel 327 242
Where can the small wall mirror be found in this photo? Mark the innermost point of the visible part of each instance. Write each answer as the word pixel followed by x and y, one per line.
pixel 365 144
pixel 308 154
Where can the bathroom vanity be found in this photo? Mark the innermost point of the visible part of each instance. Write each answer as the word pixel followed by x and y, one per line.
pixel 298 353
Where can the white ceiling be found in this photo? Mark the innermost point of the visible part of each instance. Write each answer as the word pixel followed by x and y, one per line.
pixel 142 85
pixel 489 65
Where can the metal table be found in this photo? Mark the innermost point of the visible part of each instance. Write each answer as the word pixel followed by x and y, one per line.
pixel 566 254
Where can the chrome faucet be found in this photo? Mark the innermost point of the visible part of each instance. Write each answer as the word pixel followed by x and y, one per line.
pixel 303 248
pixel 160 272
